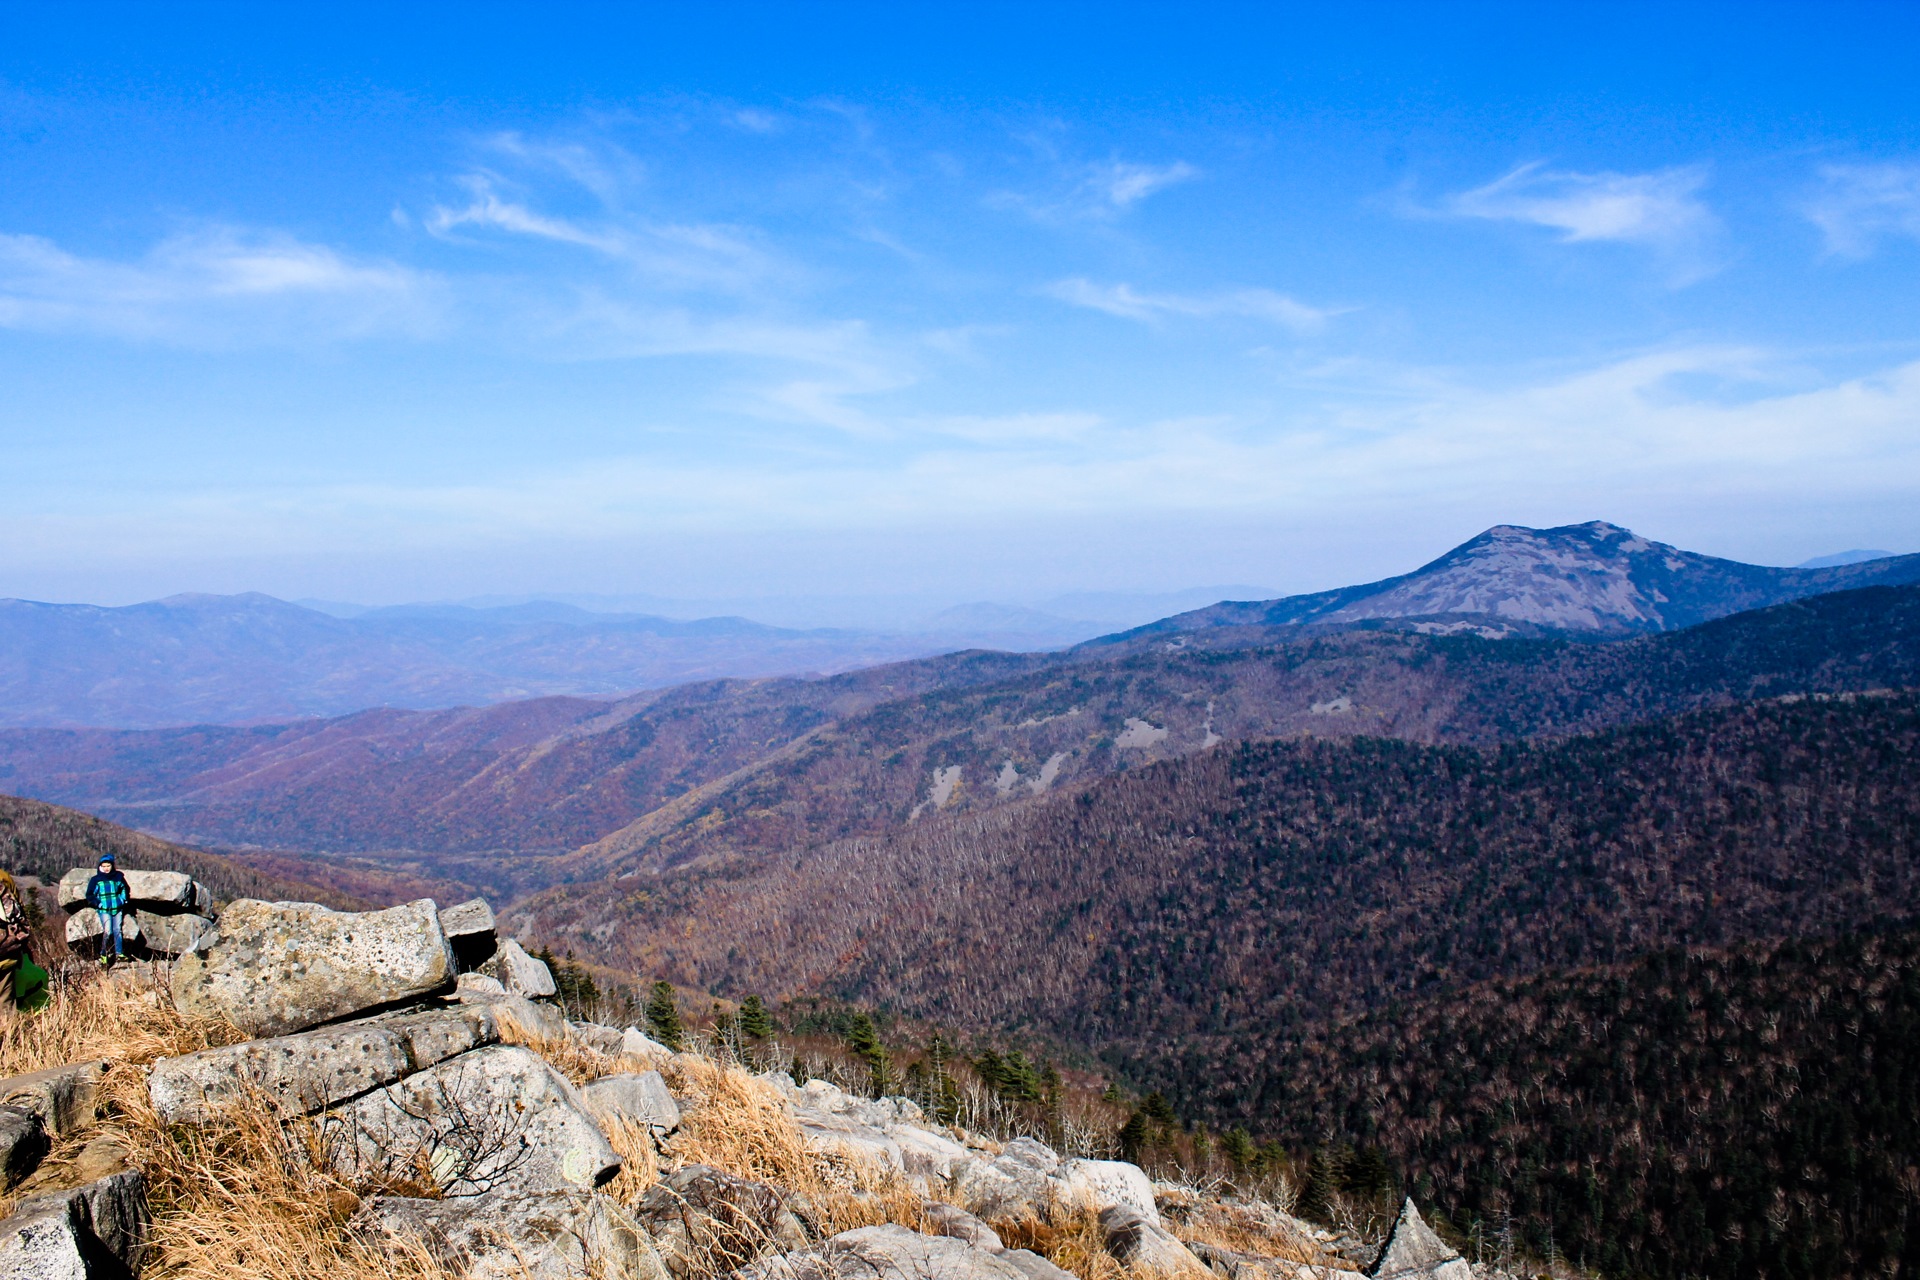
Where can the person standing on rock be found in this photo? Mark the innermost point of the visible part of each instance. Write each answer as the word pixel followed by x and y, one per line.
pixel 108 895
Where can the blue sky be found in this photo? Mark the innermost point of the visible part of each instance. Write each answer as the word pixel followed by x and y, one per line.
pixel 971 302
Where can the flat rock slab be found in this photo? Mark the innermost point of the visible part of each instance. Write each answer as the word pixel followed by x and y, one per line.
pixel 271 968
pixel 84 928
pixel 889 1252
pixel 641 1099
pixel 174 890
pixel 495 1119
pixel 556 1235
pixel 64 1098
pixel 472 930
pixel 303 1073
pixel 104 1203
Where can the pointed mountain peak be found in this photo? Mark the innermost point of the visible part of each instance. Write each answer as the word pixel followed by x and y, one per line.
pixel 1413 1250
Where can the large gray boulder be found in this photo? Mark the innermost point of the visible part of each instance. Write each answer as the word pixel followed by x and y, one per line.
pixel 497 1118
pixel 554 1235
pixel 705 1222
pixel 1033 1266
pixel 84 928
pixel 641 1099
pixel 883 1131
pixel 1145 1247
pixel 889 1252
pixel 43 1246
pixel 471 929
pixel 953 1221
pixel 1414 1252
pixel 1016 1184
pixel 66 1099
pixel 23 1144
pixel 272 968
pixel 1101 1184
pixel 520 973
pixel 163 890
pixel 103 1204
pixel 314 1069
pixel 171 935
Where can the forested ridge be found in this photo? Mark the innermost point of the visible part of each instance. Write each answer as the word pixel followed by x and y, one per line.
pixel 1751 1112
pixel 1284 935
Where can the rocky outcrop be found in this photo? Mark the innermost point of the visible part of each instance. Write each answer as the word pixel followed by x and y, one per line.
pixel 641 1099
pixel 952 1220
pixel 520 973
pixel 553 1235
pixel 84 928
pixel 276 967
pixel 471 930
pixel 1414 1252
pixel 887 1131
pixel 65 1099
pixel 1102 1184
pixel 23 1144
pixel 302 1073
pixel 1146 1247
pixel 1017 1183
pixel 160 891
pixel 705 1222
pixel 494 1119
pixel 889 1252
pixel 167 912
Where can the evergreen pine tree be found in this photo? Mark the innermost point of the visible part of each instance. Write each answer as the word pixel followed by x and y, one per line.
pixel 865 1043
pixel 755 1021
pixel 1133 1137
pixel 663 1015
pixel 1238 1148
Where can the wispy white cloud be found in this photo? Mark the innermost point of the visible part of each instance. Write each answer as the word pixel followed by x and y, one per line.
pixel 1661 208
pixel 1256 304
pixel 1093 192
pixel 1127 184
pixel 1858 206
pixel 219 286
pixel 682 255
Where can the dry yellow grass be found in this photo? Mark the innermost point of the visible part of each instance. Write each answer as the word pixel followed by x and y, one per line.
pixel 249 1197
pixel 1071 1239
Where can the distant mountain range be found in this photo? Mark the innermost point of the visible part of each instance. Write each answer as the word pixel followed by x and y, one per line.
pixel 202 659
pixel 248 659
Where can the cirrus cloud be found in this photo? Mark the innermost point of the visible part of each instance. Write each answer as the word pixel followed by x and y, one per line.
pixel 216 287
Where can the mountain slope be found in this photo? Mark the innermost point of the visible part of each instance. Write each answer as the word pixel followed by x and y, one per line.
pixel 969 750
pixel 1592 578
pixel 786 764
